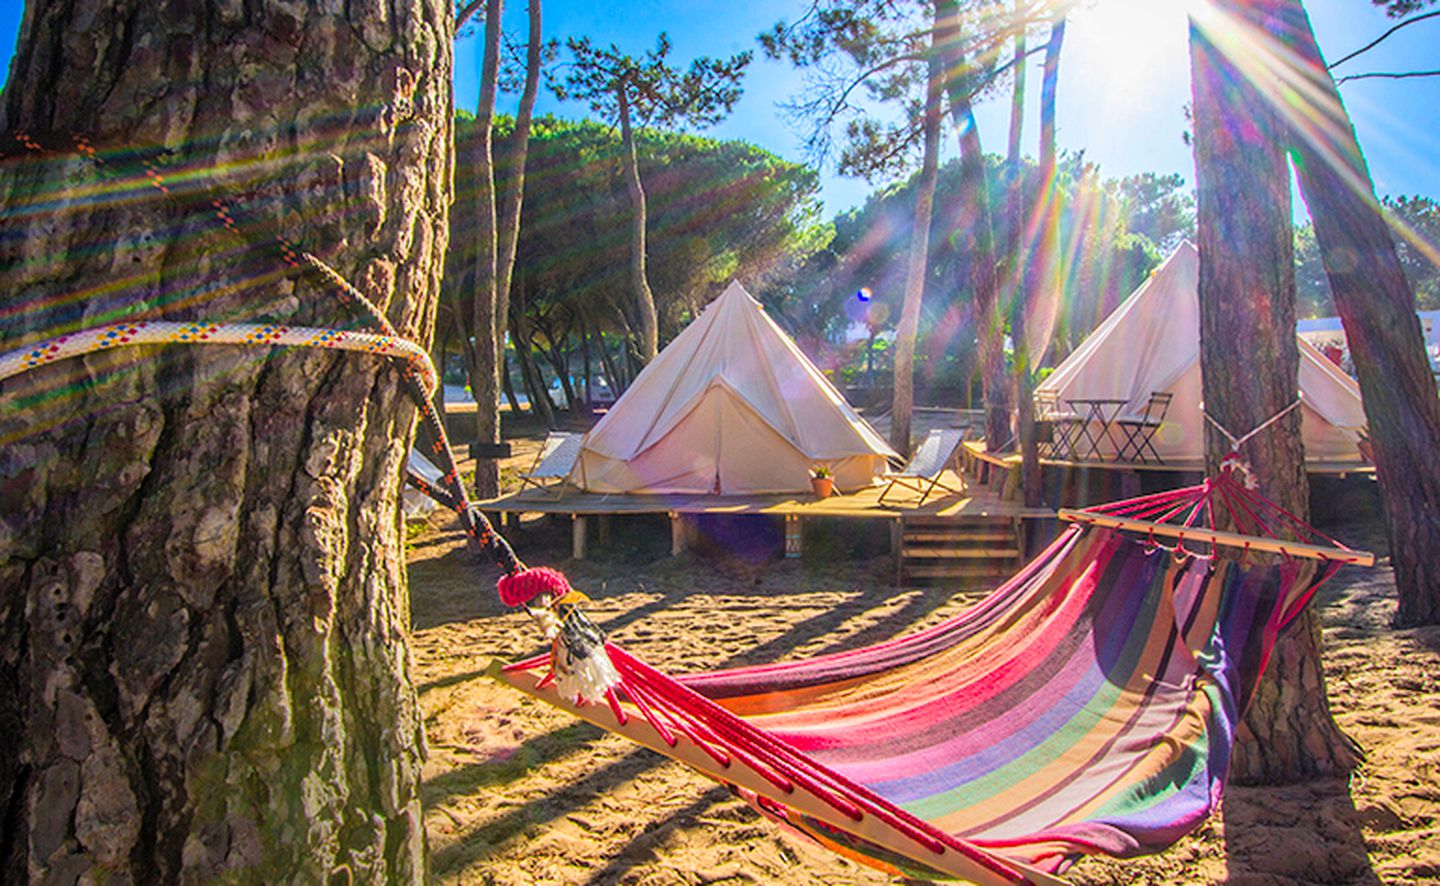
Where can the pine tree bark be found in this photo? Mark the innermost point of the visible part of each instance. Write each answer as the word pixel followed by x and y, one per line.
pixel 483 248
pixel 1031 334
pixel 1249 361
pixel 204 662
pixel 644 299
pixel 903 396
pixel 1377 308
pixel 976 221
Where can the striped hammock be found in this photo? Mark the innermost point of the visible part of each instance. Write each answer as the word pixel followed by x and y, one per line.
pixel 1088 706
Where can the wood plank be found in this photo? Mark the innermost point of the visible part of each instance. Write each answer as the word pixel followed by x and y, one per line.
pixel 1008 554
pixel 959 536
pixel 1229 539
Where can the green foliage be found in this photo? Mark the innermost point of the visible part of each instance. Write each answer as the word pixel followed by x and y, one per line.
pixel 1159 207
pixel 653 92
pixel 718 210
pixel 1415 226
pixel 1106 257
pixel 1402 8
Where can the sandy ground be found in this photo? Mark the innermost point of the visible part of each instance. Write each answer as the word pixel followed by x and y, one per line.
pixel 516 792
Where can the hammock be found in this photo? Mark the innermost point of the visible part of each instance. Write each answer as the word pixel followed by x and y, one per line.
pixel 1087 706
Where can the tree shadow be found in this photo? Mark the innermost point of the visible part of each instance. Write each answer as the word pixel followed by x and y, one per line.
pixel 1305 833
pixel 542 750
pixel 641 850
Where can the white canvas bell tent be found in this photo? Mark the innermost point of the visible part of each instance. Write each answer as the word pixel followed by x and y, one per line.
pixel 730 407
pixel 1152 343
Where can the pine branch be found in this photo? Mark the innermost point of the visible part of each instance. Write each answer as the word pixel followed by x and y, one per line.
pixel 1402 75
pixel 1378 40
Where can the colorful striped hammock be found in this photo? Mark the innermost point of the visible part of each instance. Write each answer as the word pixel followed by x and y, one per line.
pixel 1087 706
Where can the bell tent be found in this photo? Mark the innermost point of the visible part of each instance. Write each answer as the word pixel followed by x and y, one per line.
pixel 730 407
pixel 1151 343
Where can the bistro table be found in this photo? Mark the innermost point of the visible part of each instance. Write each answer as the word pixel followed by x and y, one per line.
pixel 1100 412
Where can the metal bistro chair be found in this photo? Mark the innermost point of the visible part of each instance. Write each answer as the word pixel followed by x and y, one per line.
pixel 1140 429
pixel 1055 428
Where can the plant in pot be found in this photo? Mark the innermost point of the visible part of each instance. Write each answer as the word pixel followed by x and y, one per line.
pixel 821 481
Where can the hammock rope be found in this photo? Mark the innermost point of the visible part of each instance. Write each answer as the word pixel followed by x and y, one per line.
pixel 583 666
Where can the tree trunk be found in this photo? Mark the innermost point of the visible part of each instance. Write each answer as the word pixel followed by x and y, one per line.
pixel 649 344
pixel 203 614
pixel 617 384
pixel 509 388
pixel 1013 276
pixel 485 374
pixel 1249 361
pixel 903 396
pixel 1377 307
pixel 585 360
pixel 1032 337
pixel 529 372
pixel 976 221
pixel 514 186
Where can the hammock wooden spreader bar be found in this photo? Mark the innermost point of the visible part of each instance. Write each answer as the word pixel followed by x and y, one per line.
pixel 1189 514
pixel 1217 537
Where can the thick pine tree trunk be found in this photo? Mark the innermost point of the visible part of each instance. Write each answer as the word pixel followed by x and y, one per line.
pixel 1377 308
pixel 903 397
pixel 204 663
pixel 644 299
pixel 1250 361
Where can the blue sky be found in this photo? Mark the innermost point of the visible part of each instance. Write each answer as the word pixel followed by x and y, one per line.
pixel 1124 80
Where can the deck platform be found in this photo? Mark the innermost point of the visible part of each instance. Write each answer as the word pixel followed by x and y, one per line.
pixel 978 502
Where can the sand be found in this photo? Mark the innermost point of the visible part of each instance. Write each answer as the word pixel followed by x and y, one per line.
pixel 517 792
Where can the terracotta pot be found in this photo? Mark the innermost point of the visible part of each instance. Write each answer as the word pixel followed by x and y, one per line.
pixel 823 486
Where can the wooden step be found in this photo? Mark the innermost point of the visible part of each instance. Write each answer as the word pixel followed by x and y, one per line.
pixel 912 535
pixel 949 571
pixel 1007 554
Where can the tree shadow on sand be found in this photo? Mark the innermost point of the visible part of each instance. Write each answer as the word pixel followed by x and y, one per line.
pixel 1306 833
pixel 887 617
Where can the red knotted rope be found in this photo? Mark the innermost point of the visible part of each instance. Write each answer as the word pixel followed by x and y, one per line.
pixel 527 584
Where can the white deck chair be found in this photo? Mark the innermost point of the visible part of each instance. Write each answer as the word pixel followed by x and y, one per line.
pixel 922 473
pixel 555 460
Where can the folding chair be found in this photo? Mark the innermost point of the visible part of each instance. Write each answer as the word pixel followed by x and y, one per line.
pixel 1055 428
pixel 931 458
pixel 555 460
pixel 1140 429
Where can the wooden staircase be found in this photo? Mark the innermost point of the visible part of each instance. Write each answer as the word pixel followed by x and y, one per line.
pixel 969 551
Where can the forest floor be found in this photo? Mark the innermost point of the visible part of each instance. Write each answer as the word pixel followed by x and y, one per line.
pixel 516 792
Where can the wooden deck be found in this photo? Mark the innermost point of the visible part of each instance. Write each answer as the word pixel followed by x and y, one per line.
pixel 976 451
pixel 978 502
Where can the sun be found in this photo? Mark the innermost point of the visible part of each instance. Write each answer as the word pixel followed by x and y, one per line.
pixel 1127 48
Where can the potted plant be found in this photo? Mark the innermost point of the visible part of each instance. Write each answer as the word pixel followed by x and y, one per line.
pixel 1367 449
pixel 821 481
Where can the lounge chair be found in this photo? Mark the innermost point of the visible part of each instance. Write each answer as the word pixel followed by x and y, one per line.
pixel 1140 429
pixel 923 473
pixel 555 460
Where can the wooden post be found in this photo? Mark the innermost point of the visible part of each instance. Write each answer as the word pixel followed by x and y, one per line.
pixel 577 536
pixel 677 534
pixel 792 536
